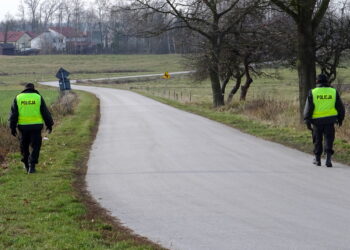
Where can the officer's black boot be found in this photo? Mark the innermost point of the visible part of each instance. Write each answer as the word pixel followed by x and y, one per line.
pixel 317 160
pixel 31 169
pixel 329 160
pixel 26 166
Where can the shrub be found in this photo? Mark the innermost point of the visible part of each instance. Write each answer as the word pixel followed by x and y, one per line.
pixel 8 143
pixel 270 110
pixel 65 104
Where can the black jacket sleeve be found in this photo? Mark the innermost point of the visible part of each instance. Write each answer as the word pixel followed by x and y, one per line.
pixel 46 114
pixel 309 108
pixel 13 116
pixel 340 108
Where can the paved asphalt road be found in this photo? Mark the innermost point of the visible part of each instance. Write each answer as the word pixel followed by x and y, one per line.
pixel 187 182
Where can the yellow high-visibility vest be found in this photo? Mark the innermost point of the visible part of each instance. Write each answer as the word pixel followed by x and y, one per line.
pixel 29 109
pixel 324 101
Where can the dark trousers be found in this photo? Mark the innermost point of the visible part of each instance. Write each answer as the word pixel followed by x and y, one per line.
pixel 327 132
pixel 30 136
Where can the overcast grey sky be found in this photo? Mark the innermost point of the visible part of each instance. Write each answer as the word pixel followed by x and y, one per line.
pixel 11 7
pixel 8 6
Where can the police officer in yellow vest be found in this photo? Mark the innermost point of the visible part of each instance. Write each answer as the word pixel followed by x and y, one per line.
pixel 323 109
pixel 28 114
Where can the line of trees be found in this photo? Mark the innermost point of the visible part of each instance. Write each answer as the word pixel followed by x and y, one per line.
pixel 110 27
pixel 235 37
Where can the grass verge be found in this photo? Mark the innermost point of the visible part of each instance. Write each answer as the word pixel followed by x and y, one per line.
pixel 47 210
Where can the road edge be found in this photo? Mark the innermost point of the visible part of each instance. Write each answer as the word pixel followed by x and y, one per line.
pixel 95 211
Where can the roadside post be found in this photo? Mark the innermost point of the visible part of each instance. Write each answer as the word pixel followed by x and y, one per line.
pixel 166 76
pixel 64 82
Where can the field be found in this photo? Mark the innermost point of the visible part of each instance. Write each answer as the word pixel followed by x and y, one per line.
pixel 20 69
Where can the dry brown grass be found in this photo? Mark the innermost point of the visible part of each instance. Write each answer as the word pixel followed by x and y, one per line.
pixel 344 131
pixel 65 104
pixel 282 113
pixel 269 110
pixel 8 143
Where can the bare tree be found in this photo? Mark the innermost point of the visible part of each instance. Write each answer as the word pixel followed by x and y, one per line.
pixel 307 15
pixel 8 25
pixel 22 14
pixel 60 13
pixel 48 9
pixel 208 18
pixel 77 7
pixel 66 10
pixel 250 43
pixel 32 6
pixel 103 8
pixel 333 40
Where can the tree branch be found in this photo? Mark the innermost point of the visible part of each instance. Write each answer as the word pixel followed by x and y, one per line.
pixel 320 13
pixel 286 9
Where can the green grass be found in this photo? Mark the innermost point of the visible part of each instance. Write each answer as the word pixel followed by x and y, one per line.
pixel 43 210
pixel 18 69
pixel 283 87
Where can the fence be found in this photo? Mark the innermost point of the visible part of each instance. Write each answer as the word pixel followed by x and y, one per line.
pixel 180 94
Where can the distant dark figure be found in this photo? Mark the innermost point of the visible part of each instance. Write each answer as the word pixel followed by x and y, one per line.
pixel 323 109
pixel 29 113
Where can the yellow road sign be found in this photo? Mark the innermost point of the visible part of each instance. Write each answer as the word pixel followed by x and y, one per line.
pixel 166 75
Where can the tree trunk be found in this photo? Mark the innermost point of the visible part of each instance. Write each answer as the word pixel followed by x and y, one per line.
pixel 306 62
pixel 174 45
pixel 244 89
pixel 218 98
pixel 224 83
pixel 6 32
pixel 248 81
pixel 234 89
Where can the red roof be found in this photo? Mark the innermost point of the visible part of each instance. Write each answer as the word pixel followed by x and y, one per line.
pixel 68 32
pixel 32 34
pixel 12 36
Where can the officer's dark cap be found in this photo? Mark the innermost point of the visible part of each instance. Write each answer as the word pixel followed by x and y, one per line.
pixel 322 78
pixel 29 86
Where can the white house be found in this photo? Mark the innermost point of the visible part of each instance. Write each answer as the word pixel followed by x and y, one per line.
pixel 20 39
pixel 48 41
pixel 61 39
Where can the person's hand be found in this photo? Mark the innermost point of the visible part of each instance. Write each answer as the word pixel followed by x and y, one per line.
pixel 49 130
pixel 14 132
pixel 340 123
pixel 308 125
